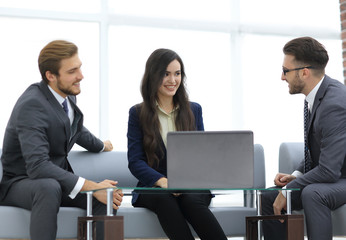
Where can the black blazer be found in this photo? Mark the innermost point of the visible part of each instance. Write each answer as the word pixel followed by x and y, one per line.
pixel 38 139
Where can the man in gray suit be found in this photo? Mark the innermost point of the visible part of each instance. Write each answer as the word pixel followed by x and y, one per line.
pixel 44 125
pixel 321 176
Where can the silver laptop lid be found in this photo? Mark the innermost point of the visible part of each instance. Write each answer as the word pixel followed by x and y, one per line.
pixel 210 159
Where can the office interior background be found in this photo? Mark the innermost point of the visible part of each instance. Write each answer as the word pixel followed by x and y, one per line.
pixel 232 51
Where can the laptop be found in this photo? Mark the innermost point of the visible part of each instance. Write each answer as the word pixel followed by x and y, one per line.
pixel 210 159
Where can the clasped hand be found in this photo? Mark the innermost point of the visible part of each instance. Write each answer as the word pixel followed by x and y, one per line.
pixel 280 203
pixel 102 194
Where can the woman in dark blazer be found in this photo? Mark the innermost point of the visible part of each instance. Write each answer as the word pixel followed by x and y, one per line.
pixel 165 108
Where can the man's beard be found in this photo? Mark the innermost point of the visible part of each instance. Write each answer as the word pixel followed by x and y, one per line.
pixel 297 86
pixel 66 90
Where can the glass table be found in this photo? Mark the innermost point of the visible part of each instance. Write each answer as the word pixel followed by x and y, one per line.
pixel 112 222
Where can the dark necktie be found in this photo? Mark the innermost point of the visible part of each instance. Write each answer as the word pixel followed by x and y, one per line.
pixel 307 165
pixel 65 107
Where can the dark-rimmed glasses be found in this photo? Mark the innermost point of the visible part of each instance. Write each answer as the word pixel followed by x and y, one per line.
pixel 285 70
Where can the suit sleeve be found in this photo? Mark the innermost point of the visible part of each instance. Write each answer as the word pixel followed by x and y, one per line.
pixel 197 111
pixel 88 141
pixel 138 163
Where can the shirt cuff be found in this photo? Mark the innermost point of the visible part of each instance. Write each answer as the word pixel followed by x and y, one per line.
pixel 283 192
pixel 77 187
pixel 297 174
pixel 103 148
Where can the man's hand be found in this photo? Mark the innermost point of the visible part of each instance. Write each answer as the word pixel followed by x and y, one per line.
pixel 279 204
pixel 102 194
pixel 281 179
pixel 108 146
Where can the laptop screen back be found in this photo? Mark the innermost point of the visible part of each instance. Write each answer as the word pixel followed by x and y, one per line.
pixel 219 159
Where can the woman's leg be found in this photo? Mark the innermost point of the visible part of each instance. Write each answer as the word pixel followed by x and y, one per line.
pixel 195 208
pixel 167 209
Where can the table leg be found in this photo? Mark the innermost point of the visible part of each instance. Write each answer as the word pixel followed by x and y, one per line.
pixel 89 214
pixel 294 226
pixel 259 212
pixel 113 227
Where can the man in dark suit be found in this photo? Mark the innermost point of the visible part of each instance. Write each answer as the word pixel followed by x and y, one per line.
pixel 321 176
pixel 44 125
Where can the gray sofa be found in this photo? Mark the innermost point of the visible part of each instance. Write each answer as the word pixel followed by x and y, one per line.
pixel 138 222
pixel 290 155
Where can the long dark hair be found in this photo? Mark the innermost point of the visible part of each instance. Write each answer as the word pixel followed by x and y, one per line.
pixel 155 70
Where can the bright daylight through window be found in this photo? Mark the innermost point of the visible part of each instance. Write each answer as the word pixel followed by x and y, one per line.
pixel 232 51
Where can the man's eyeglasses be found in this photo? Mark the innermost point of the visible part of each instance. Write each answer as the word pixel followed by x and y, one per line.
pixel 285 70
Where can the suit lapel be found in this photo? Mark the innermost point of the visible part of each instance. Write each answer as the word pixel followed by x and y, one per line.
pixel 57 108
pixel 77 122
pixel 318 98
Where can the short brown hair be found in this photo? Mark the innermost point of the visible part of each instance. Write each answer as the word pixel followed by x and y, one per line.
pixel 52 54
pixel 309 51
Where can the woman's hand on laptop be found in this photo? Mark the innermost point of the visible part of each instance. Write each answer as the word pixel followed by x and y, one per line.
pixel 162 183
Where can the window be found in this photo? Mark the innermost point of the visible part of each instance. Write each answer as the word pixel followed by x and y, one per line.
pixel 232 51
pixel 206 59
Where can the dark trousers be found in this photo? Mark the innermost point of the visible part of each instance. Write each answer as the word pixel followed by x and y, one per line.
pixel 317 200
pixel 44 198
pixel 174 212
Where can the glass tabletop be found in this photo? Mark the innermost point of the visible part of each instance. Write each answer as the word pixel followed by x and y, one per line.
pixel 151 190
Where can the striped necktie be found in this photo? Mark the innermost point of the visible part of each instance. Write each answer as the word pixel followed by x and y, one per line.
pixel 307 156
pixel 65 107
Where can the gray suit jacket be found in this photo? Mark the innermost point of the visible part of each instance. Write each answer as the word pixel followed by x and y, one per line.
pixel 38 139
pixel 326 136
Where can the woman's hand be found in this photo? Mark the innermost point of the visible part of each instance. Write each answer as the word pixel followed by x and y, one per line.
pixel 162 183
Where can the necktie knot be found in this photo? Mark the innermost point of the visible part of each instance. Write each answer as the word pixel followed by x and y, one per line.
pixel 64 106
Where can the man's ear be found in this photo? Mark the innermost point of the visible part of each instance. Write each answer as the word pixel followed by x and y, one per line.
pixel 306 72
pixel 50 76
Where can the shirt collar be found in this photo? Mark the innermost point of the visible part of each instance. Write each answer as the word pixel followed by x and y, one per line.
pixel 310 98
pixel 56 95
pixel 163 111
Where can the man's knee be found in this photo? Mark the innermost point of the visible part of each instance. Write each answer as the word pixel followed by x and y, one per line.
pixel 48 189
pixel 311 194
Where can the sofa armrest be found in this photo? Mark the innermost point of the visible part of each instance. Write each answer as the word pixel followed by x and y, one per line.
pixel 100 166
pixel 290 155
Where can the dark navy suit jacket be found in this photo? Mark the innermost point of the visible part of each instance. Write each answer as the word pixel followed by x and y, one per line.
pixel 138 163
